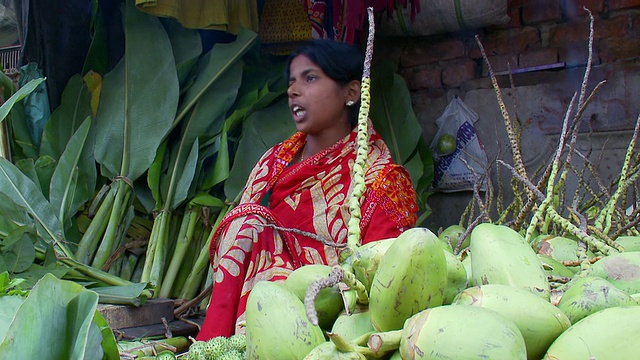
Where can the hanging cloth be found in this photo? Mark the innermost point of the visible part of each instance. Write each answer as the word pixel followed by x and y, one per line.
pixel 221 15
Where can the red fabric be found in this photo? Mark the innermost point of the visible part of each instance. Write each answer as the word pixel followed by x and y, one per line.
pixel 311 196
pixel 346 17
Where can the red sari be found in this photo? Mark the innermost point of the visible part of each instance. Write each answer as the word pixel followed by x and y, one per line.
pixel 311 196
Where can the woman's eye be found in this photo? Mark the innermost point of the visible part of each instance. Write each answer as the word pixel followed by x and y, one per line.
pixel 310 78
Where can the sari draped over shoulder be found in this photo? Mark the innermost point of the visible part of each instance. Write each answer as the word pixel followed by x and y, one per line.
pixel 255 242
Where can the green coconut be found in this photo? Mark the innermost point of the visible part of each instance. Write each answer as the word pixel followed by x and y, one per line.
pixel 612 333
pixel 329 302
pixel 451 237
pixel 553 267
pixel 621 269
pixel 277 326
pixel 501 256
pixel 456 277
pixel 461 332
pixel 590 294
pixel 354 325
pixel 561 249
pixel 629 243
pixel 537 319
pixel 366 259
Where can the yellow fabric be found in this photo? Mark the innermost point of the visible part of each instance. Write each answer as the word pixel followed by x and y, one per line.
pixel 284 23
pixel 225 15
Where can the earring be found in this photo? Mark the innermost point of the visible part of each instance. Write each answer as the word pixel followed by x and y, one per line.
pixel 350 103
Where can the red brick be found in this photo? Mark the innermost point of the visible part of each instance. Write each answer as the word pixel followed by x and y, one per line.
pixel 538 57
pixel 539 11
pixel 564 34
pixel 613 27
pixel 577 54
pixel 623 4
pixel 613 49
pixel 429 53
pixel 459 72
pixel 420 79
pixel 574 8
pixel 500 63
pixel 515 20
pixel 508 42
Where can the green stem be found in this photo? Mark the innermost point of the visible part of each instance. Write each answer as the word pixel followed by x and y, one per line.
pixel 187 229
pixel 108 241
pixel 89 242
pixel 192 284
pixel 384 342
pixel 154 264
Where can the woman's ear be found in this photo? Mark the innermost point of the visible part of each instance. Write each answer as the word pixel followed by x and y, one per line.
pixel 353 91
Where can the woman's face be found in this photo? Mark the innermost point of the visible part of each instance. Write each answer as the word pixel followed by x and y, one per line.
pixel 317 102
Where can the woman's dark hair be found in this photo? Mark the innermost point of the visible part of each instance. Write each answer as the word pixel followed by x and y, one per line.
pixel 341 62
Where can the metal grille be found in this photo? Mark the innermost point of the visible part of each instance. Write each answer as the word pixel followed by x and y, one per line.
pixel 10 58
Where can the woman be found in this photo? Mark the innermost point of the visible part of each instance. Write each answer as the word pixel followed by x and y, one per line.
pixel 303 185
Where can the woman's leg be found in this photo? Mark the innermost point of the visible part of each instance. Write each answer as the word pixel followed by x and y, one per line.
pixel 248 252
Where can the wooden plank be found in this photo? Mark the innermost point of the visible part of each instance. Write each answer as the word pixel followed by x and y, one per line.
pixel 123 316
pixel 176 327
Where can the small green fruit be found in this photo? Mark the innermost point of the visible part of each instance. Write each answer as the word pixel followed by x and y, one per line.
pixel 446 144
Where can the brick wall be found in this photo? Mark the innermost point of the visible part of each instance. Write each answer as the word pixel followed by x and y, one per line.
pixel 541 33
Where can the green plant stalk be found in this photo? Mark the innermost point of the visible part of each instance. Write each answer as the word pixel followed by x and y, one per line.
pixel 189 258
pixel 187 229
pixel 362 148
pixel 593 242
pixel 190 289
pixel 384 342
pixel 603 221
pixel 108 241
pixel 157 250
pixel 91 238
pixel 128 267
pixel 555 165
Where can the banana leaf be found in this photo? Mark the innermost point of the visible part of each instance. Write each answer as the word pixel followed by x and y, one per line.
pixel 54 322
pixel 97 58
pixel 187 48
pixel 75 107
pixel 69 189
pixel 18 252
pixel 26 194
pixel 22 146
pixel 138 103
pixel 125 295
pixel 392 114
pixel 261 130
pixel 138 100
pixel 39 170
pixel 25 90
pixel 12 216
pixel 203 122
pixel 212 66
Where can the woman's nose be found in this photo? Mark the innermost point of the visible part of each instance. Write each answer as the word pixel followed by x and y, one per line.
pixel 292 91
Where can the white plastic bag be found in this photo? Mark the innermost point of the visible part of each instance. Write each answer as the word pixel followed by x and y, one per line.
pixel 451 172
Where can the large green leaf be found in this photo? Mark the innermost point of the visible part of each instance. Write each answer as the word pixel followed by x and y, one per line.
pixel 203 122
pixel 126 295
pixel 75 107
pixel 20 253
pixel 212 66
pixel 68 190
pixel 185 178
pixel 138 100
pixel 187 48
pixel 392 114
pixel 261 130
pixel 26 194
pixel 12 216
pixel 23 145
pixel 97 58
pixel 8 307
pixel 53 323
pixel 17 96
pixel 109 344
